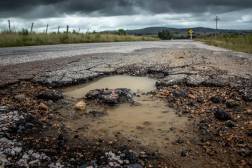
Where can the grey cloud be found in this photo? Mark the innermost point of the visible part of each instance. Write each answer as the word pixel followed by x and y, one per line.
pixel 55 8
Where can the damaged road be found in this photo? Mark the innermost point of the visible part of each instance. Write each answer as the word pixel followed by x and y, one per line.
pixel 202 101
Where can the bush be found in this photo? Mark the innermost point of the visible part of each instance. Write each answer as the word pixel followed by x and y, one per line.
pixel 165 35
pixel 121 32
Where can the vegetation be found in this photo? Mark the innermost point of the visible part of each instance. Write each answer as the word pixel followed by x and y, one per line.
pixel 24 38
pixel 122 32
pixel 165 35
pixel 237 42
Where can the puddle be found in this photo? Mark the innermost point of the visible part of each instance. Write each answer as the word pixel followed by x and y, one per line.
pixel 136 84
pixel 151 123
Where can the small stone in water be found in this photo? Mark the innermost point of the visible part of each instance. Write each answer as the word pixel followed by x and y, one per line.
pixel 81 105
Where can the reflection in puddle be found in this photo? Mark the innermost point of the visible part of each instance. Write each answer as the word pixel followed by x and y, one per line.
pixel 151 122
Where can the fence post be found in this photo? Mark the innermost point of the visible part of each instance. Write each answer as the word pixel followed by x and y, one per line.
pixel 67 29
pixel 32 26
pixel 58 29
pixel 46 28
pixel 9 25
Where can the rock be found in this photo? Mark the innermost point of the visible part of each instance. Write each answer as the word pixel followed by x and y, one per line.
pixel 191 96
pixel 53 95
pixel 3 109
pixel 232 103
pixel 81 105
pixel 43 107
pixel 245 152
pixel 184 152
pixel 136 165
pixel 179 93
pixel 110 96
pixel 20 97
pixel 179 141
pixel 230 124
pixel 216 99
pixel 94 113
pixel 247 94
pixel 221 115
pixel 249 133
pixel 172 80
pixel 195 80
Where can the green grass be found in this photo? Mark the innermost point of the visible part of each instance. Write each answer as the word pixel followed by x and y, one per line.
pixel 25 39
pixel 241 43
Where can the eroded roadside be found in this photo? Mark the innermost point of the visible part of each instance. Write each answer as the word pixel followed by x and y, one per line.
pixel 211 91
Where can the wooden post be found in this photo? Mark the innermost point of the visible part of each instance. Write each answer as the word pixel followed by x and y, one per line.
pixel 67 29
pixel 46 28
pixel 9 25
pixel 32 26
pixel 58 29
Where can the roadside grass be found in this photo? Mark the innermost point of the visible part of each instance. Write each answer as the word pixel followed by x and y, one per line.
pixel 25 39
pixel 241 43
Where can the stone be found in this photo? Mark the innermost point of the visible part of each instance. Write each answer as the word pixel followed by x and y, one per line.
pixel 230 124
pixel 216 99
pixel 232 103
pixel 81 105
pixel 94 113
pixel 136 165
pixel 172 80
pixel 179 93
pixel 195 80
pixel 53 95
pixel 245 152
pixel 110 96
pixel 221 115
pixel 184 153
pixel 20 97
pixel 3 109
pixel 43 107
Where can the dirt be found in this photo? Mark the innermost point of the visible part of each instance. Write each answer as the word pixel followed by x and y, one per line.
pixel 179 108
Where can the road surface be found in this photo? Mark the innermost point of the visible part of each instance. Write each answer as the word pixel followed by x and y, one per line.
pixel 70 63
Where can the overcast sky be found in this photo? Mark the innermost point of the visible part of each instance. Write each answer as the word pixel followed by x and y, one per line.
pixel 98 15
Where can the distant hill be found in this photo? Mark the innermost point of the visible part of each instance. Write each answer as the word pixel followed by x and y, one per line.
pixel 180 31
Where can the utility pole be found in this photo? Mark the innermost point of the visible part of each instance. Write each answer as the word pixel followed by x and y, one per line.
pixel 9 25
pixel 216 21
pixel 46 28
pixel 32 26
pixel 58 29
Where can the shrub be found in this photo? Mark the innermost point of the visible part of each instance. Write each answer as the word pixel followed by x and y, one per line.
pixel 165 35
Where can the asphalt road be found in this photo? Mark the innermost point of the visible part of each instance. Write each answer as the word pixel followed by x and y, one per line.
pixel 74 63
pixel 14 55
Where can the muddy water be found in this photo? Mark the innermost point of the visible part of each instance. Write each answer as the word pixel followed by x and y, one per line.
pixel 151 122
pixel 136 84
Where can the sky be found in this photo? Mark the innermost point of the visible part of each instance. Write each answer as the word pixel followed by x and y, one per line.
pixel 100 15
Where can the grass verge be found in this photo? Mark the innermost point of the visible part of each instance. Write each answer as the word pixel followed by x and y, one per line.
pixel 19 39
pixel 241 43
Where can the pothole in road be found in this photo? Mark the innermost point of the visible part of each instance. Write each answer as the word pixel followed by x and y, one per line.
pixel 148 120
pixel 136 84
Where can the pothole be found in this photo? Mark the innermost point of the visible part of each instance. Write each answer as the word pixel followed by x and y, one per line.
pixel 148 121
pixel 136 84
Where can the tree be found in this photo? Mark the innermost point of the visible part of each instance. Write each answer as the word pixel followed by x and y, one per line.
pixel 165 35
pixel 121 32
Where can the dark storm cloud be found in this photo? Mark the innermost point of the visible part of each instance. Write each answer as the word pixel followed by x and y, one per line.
pixel 55 8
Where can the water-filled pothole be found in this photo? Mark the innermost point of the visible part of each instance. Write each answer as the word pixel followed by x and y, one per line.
pixel 136 84
pixel 151 122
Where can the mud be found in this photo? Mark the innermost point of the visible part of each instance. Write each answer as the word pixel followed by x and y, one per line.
pixel 191 108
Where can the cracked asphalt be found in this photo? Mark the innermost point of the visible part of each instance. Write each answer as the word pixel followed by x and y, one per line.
pixel 59 65
pixel 210 86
